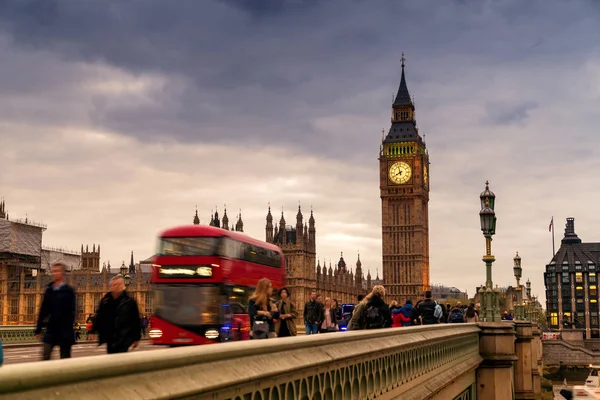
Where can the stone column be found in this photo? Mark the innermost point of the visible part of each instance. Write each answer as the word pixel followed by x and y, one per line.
pixel 536 360
pixel 524 364
pixel 494 374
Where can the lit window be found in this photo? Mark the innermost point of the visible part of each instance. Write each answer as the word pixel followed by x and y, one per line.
pixel 578 277
pixel 593 301
pixel 553 319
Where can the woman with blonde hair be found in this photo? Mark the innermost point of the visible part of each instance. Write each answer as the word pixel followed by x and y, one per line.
pixel 330 323
pixel 262 311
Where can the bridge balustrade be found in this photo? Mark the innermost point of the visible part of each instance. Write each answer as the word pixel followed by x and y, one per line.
pixel 448 361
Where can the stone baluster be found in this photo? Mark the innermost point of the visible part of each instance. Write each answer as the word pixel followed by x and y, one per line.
pixel 497 347
pixel 536 360
pixel 524 364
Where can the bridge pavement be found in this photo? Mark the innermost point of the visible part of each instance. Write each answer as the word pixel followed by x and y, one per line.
pixel 24 354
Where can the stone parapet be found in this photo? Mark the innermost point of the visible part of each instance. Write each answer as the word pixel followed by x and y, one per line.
pixel 524 365
pixel 433 362
pixel 497 347
pixel 536 359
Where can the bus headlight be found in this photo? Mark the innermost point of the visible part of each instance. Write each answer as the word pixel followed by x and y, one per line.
pixel 211 334
pixel 155 333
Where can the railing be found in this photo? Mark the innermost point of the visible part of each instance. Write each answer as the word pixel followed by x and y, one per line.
pixel 17 334
pixel 407 363
pixel 24 334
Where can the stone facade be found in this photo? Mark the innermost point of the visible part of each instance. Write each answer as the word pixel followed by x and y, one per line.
pixel 571 280
pixel 24 278
pixel 404 189
pixel 22 290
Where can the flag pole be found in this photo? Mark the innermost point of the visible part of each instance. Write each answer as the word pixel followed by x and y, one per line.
pixel 553 252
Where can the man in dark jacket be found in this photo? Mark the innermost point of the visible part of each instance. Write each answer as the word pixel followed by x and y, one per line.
pixel 57 314
pixel 118 319
pixel 314 314
pixel 426 310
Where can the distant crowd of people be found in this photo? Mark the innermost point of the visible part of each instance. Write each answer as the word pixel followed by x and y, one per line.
pixel 269 319
pixel 117 320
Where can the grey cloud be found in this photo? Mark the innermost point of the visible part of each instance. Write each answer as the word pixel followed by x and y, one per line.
pixel 267 70
pixel 511 113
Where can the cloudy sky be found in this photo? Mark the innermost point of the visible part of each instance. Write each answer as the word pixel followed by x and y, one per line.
pixel 117 118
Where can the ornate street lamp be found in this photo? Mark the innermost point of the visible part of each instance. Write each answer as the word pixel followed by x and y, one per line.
pixel 124 274
pixel 518 273
pixel 487 217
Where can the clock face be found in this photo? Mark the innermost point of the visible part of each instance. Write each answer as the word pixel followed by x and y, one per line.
pixel 400 172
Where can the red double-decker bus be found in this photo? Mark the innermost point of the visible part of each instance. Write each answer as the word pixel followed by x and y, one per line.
pixel 202 278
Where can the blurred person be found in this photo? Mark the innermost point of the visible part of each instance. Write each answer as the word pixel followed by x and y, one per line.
pixel 471 315
pixel 338 310
pixel 57 314
pixel 118 319
pixel 89 327
pixel 144 325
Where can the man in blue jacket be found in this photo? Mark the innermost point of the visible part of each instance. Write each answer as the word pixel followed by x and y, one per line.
pixel 57 314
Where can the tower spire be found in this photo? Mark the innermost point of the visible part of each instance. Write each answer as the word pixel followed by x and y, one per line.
pixel 403 96
pixel 196 218
pixel 131 265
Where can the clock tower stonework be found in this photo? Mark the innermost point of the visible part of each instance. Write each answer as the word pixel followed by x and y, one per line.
pixel 404 189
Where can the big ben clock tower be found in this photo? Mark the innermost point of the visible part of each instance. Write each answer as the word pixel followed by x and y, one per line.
pixel 404 188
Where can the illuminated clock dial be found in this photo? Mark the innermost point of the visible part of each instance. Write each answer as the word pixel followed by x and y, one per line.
pixel 400 172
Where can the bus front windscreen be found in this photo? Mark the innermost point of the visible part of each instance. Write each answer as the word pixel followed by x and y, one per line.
pixel 190 305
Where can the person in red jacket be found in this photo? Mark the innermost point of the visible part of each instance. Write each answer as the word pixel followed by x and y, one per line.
pixel 399 318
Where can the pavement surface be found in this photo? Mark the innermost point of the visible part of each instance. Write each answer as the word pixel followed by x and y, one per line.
pixel 31 353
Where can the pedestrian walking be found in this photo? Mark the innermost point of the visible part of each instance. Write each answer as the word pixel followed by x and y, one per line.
pixel 313 314
pixel 57 314
pixel 262 311
pixel 89 327
pixel 471 315
pixel 427 310
pixel 117 320
pixel 330 322
pixel 286 324
pixel 77 332
pixel 144 325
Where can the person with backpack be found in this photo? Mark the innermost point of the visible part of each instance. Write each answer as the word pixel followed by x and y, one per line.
pixel 262 311
pixel 456 316
pixel 429 311
pixel 372 312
